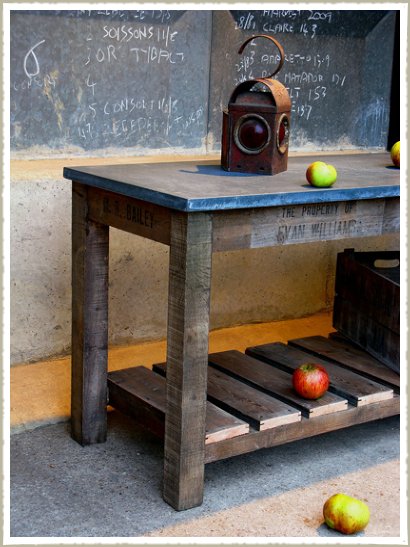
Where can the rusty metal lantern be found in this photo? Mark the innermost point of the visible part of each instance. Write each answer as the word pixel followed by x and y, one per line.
pixel 255 129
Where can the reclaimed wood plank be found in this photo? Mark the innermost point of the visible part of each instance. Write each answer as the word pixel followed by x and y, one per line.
pixel 357 389
pixel 129 214
pixel 255 440
pixel 274 382
pixel 263 410
pixel 306 223
pixel 391 216
pixel 135 394
pixel 89 323
pixel 187 358
pixel 259 409
pixel 143 391
pixel 349 356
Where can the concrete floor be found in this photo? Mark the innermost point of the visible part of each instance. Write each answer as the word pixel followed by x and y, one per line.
pixel 60 489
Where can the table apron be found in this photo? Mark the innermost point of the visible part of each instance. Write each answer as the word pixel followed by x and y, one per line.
pixel 129 214
pixel 307 223
pixel 256 227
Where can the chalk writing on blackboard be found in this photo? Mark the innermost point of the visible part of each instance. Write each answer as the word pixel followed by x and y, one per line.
pixel 96 79
pixel 31 59
pixel 109 78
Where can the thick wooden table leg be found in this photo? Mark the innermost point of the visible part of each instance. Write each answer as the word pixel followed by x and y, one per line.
pixel 89 323
pixel 187 358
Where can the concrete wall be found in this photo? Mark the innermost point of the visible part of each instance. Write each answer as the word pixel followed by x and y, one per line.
pixel 248 286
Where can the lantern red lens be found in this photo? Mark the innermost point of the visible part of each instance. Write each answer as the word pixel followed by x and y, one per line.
pixel 253 134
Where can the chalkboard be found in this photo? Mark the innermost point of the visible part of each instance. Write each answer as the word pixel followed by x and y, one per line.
pixel 337 69
pixel 97 79
pixel 133 81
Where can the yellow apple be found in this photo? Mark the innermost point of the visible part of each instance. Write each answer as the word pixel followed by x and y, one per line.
pixel 346 514
pixel 320 174
pixel 395 154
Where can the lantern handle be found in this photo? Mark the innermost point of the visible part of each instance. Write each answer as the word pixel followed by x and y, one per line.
pixel 277 44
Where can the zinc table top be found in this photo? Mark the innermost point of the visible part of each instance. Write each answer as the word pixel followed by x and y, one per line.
pixel 204 186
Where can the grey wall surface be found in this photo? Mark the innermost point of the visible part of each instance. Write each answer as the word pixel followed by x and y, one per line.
pixel 83 85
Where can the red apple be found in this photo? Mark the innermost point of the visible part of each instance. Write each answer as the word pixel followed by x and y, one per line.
pixel 395 154
pixel 321 175
pixel 310 380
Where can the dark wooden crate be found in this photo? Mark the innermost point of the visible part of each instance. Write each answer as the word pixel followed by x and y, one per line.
pixel 367 302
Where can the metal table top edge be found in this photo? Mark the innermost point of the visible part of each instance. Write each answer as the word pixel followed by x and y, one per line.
pixel 137 192
pixel 305 195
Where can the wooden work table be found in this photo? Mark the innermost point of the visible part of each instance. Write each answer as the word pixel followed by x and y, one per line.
pixel 196 208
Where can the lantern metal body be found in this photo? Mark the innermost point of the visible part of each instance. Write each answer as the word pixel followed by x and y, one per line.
pixel 255 128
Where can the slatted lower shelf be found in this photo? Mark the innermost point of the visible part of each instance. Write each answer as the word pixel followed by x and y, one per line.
pixel 251 403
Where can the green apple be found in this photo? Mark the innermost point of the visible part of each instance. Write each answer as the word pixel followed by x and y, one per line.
pixel 321 174
pixel 346 514
pixel 395 154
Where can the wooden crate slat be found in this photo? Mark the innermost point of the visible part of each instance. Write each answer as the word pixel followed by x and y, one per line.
pixel 379 341
pixel 145 389
pixel 274 382
pixel 374 291
pixel 259 409
pixel 350 356
pixel 357 389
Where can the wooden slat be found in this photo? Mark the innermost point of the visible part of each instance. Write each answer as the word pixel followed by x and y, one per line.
pixel 255 440
pixel 145 389
pixel 349 356
pixel 379 341
pixel 357 389
pixel 373 291
pixel 259 409
pixel 274 382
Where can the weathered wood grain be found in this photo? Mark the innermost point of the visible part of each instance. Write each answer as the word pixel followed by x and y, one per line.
pixel 373 290
pixel 275 382
pixel 367 302
pixel 144 394
pixel 187 358
pixel 129 214
pixel 259 409
pixel 89 323
pixel 307 223
pixel 350 356
pixel 133 393
pixel 262 410
pixel 381 342
pixel 391 222
pixel 357 389
pixel 255 440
